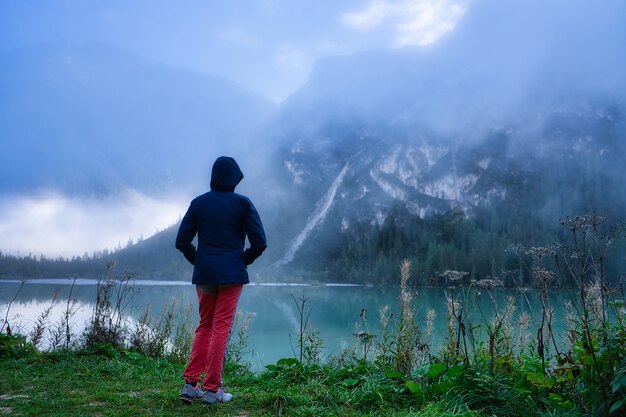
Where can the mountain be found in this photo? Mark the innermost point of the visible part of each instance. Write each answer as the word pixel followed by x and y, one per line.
pixel 349 202
pixel 93 119
pixel 449 155
pixel 358 178
pixel 345 195
pixel 509 132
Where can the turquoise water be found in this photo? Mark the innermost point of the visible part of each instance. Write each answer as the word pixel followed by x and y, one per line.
pixel 335 310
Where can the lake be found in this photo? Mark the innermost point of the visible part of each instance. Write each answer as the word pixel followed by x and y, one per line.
pixel 335 309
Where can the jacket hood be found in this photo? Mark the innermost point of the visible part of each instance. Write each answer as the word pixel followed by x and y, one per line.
pixel 226 174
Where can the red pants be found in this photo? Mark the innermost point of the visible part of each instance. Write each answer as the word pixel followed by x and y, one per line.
pixel 217 305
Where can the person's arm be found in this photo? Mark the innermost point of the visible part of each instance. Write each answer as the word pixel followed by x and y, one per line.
pixel 186 233
pixel 256 235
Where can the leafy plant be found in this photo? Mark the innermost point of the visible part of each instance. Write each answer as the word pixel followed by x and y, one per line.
pixel 15 346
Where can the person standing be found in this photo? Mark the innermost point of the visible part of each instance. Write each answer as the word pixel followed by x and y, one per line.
pixel 222 219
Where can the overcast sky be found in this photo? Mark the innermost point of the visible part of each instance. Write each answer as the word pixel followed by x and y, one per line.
pixel 268 46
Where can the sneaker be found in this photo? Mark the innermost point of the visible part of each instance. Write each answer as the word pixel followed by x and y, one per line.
pixel 220 396
pixel 190 392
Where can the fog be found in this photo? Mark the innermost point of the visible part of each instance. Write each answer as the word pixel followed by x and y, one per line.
pixel 268 46
pixel 506 63
pixel 55 225
pixel 98 152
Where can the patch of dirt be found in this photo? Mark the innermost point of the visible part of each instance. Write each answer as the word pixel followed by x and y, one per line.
pixel 12 397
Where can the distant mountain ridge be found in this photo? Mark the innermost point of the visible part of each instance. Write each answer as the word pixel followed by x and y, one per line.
pixel 448 156
pixel 485 120
pixel 116 120
pixel 423 179
pixel 337 202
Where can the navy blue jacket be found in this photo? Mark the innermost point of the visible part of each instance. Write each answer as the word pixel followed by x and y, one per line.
pixel 222 219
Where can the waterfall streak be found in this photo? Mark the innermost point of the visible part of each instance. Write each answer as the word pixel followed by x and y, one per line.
pixel 316 218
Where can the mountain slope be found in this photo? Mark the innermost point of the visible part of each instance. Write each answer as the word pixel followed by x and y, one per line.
pixel 449 155
pixel 94 119
pixel 466 148
pixel 488 121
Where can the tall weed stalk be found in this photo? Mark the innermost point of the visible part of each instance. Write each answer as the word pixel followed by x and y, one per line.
pixel 407 332
pixel 584 261
pixel 310 343
pixel 36 335
pixel 238 346
pixel 61 332
pixel 499 326
pixel 457 328
pixel 107 324
pixel 400 345
pixel 596 341
pixel 6 327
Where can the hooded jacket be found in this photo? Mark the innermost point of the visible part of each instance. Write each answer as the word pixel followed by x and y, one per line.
pixel 222 219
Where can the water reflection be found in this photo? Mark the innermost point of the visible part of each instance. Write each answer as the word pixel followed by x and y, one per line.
pixel 272 334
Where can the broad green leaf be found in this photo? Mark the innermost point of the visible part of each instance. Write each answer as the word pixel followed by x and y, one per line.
pixel 616 406
pixel 350 382
pixel 455 370
pixel 435 370
pixel 393 374
pixel 555 397
pixel 414 387
pixel 288 362
pixel 443 387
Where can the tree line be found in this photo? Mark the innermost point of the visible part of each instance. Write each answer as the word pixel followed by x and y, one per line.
pixel 489 244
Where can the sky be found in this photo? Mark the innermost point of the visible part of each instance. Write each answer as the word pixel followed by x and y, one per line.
pixel 271 48
pixel 268 46
pixel 53 225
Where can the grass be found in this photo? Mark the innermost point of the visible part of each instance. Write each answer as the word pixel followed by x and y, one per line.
pixel 106 382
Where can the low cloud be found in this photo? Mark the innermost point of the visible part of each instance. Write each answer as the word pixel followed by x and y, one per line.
pixel 414 22
pixel 426 21
pixel 241 38
pixel 55 225
pixel 292 58
pixel 373 15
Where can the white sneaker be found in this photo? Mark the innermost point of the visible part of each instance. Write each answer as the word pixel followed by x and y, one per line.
pixel 220 396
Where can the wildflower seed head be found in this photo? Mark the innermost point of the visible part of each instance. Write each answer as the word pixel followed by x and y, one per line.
pixel 489 283
pixel 593 298
pixel 452 305
pixel 523 321
pixel 541 251
pixel 454 275
pixel 570 315
pixel 584 223
pixel 543 276
pixel 517 250
pixel 384 318
pixel 430 315
pixel 430 322
pixel 246 321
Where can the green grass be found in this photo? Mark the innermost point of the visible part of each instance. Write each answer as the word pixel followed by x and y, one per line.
pixel 111 383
